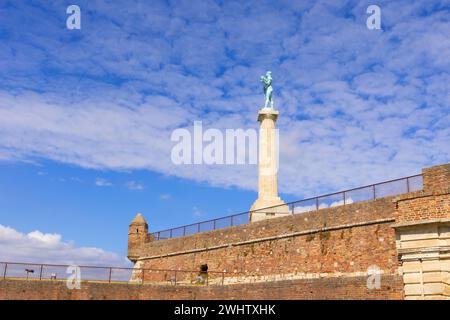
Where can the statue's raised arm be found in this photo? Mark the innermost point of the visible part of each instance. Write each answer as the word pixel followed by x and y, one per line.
pixel 267 82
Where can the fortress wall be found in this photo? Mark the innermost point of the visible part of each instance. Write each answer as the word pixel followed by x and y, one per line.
pixel 406 235
pixel 328 288
pixel 387 233
pixel 346 239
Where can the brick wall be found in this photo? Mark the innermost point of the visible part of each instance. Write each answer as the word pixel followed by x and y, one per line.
pixel 422 207
pixel 437 179
pixel 433 202
pixel 343 240
pixel 322 243
pixel 328 288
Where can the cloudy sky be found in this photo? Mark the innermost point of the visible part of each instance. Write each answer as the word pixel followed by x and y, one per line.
pixel 86 115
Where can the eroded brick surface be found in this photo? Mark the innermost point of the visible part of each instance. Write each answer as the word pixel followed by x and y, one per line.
pixel 330 288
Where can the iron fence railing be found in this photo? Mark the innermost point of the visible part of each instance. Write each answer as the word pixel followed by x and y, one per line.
pixel 56 272
pixel 365 193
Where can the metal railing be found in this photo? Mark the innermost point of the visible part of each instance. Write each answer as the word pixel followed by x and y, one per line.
pixel 57 272
pixel 365 193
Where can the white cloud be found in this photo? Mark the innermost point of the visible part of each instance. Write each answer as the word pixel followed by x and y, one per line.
pixel 301 208
pixel 196 211
pixel 133 185
pixel 100 182
pixel 48 239
pixel 39 247
pixel 165 196
pixel 356 106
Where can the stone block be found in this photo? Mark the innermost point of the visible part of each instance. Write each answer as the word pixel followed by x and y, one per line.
pixel 412 278
pixel 433 288
pixel 429 277
pixel 413 290
pixel 411 266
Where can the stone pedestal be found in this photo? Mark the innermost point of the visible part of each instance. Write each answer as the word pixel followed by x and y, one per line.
pixel 268 170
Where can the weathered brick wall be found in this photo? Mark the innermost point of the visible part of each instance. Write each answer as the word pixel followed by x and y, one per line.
pixel 433 202
pixel 137 236
pixel 329 241
pixel 343 250
pixel 437 179
pixel 422 207
pixel 337 216
pixel 345 239
pixel 327 288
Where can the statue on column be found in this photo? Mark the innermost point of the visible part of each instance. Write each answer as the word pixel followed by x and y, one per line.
pixel 267 82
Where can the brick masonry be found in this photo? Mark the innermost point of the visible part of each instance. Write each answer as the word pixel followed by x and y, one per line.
pixel 328 288
pixel 343 240
pixel 329 241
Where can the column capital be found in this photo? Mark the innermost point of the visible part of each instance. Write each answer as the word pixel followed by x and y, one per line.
pixel 267 113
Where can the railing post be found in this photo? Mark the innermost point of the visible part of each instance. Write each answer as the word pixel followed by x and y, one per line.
pixel 198 227
pixel 184 231
pixel 292 208
pixel 171 233
pixel 40 272
pixel 344 197
pixel 4 272
pixel 317 203
pixel 214 224
pixel 231 221
pixel 374 192
pixel 159 235
pixel 407 184
pixel 110 272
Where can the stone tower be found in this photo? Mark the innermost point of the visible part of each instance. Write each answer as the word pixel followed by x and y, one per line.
pixel 268 170
pixel 137 236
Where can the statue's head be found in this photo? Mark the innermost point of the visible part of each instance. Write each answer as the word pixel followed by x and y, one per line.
pixel 269 73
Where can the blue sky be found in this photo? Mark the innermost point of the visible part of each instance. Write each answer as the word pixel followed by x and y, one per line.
pixel 86 115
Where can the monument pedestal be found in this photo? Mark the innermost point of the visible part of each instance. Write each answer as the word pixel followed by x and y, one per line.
pixel 261 210
pixel 268 170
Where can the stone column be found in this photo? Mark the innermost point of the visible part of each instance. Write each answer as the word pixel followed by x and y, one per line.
pixel 268 170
